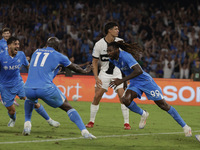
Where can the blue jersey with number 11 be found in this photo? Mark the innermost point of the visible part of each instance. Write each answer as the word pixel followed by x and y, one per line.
pixel 44 66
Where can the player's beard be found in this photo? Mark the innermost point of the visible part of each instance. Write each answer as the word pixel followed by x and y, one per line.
pixel 14 51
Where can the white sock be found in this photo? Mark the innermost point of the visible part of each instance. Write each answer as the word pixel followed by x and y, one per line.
pixel 49 120
pixel 93 111
pixel 186 126
pixel 144 113
pixel 27 124
pixel 84 131
pixel 125 113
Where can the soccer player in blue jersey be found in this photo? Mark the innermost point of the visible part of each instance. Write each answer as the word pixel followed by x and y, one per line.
pixel 6 33
pixel 11 82
pixel 44 66
pixel 124 56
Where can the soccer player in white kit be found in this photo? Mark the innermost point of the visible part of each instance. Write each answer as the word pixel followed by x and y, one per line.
pixel 107 73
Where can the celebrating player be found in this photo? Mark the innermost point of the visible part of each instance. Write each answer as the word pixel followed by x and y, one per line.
pixel 12 83
pixel 44 66
pixel 140 81
pixel 6 33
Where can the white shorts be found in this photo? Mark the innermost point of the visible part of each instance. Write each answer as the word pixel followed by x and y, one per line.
pixel 107 78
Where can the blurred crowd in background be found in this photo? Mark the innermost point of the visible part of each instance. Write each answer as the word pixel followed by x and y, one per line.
pixel 168 31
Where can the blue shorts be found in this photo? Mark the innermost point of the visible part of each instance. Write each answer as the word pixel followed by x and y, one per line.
pixel 8 94
pixel 51 95
pixel 150 88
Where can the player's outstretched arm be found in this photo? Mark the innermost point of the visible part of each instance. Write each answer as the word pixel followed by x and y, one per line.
pixel 78 69
pixel 136 72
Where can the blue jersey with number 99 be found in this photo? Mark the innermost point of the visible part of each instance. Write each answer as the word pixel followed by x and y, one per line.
pixel 44 66
pixel 141 83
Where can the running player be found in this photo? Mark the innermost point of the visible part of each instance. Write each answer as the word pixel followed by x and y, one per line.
pixel 44 66
pixel 140 81
pixel 12 83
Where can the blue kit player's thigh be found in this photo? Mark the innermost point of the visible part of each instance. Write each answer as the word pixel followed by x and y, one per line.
pixel 152 91
pixel 52 96
pixel 20 90
pixel 31 94
pixel 134 88
pixel 7 96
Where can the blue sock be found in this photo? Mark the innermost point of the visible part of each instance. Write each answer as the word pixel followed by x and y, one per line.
pixel 42 112
pixel 134 107
pixel 176 116
pixel 75 117
pixel 28 107
pixel 12 116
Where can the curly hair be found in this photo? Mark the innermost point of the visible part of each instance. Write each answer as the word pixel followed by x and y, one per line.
pixel 134 49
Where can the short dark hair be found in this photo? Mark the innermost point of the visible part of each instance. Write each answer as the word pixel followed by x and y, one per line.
pixel 12 39
pixel 53 42
pixel 5 30
pixel 108 26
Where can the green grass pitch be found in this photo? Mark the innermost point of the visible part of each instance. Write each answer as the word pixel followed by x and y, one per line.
pixel 160 133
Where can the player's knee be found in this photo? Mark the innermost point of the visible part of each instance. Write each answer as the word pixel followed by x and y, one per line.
pixel 96 99
pixel 11 111
pixel 126 101
pixel 66 106
pixel 37 105
pixel 164 107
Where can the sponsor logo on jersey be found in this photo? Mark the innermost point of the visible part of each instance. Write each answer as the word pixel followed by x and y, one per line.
pixel 5 67
pixel 14 67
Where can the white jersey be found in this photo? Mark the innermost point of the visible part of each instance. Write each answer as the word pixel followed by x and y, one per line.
pixel 100 52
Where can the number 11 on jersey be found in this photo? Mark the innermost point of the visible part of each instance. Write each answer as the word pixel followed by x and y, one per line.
pixel 43 59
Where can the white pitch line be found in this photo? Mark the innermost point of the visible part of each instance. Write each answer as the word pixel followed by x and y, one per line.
pixel 76 138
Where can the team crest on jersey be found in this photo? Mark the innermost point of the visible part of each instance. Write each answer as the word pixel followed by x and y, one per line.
pixel 124 68
pixel 5 67
pixel 18 60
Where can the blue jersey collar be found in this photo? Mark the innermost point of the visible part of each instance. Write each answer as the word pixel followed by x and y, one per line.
pixel 50 48
pixel 3 40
